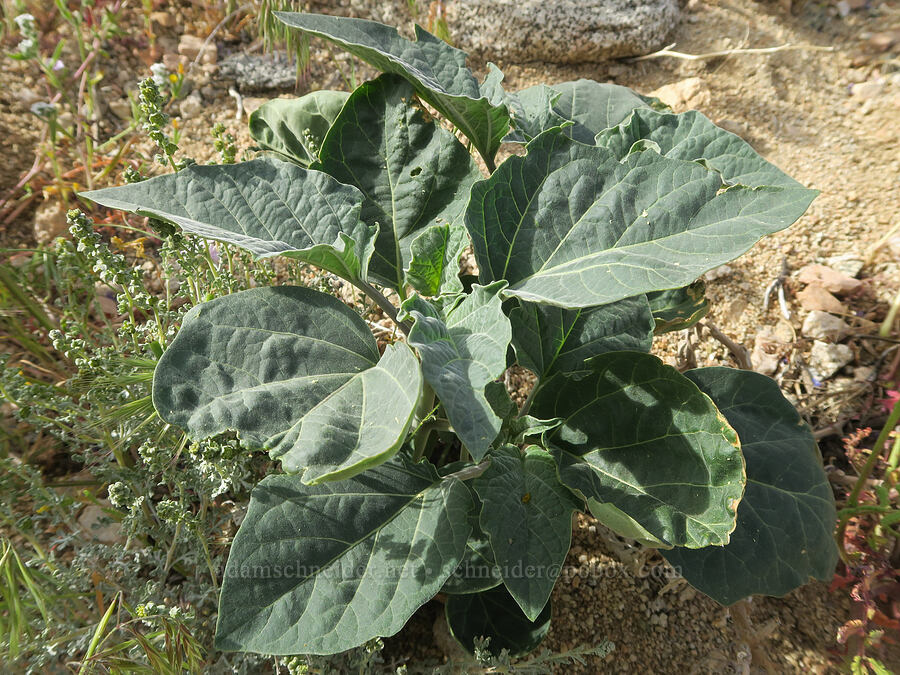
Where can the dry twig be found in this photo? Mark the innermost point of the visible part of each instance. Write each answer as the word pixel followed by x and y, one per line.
pixel 667 51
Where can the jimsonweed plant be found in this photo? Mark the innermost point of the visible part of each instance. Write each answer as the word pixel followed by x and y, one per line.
pixel 408 470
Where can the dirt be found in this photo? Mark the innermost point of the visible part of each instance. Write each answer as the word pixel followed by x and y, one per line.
pixel 828 114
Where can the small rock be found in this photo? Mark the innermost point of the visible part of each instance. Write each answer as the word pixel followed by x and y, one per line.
pixel 27 97
pixel 735 309
pixel 767 351
pixel 121 108
pixel 865 91
pixel 93 520
pixel 192 106
pixel 719 272
pixel 784 332
pixel 864 373
pixel 190 46
pixel 820 325
pixel 171 61
pixel 164 19
pixel 830 279
pixel 683 95
pixel 826 359
pixel 847 264
pixel 814 297
pixel 843 8
pixel 106 298
pixel 49 221
pixel 883 41
pixel 259 72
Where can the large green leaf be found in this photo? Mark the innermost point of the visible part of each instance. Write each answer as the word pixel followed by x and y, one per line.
pixel 786 519
pixel 527 513
pixel 494 614
pixel 321 569
pixel 436 70
pixel 294 371
pixel 570 225
pixel 296 127
pixel 267 206
pixel 434 259
pixel 640 436
pixel 591 106
pixel 462 351
pixel 691 136
pixel 412 172
pixel 678 308
pixel 555 340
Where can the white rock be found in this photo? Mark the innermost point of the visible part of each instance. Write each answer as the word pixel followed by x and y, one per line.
pixel 719 272
pixel 826 359
pixel 824 326
pixel 92 522
pixel 191 106
pixel 49 221
pixel 685 94
pixel 848 264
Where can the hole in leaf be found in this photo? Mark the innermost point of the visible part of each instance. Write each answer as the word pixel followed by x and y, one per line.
pixel 416 171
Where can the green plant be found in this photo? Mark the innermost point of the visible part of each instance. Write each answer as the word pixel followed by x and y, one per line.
pixel 409 471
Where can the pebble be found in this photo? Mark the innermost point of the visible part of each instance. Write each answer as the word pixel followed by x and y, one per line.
pixel 190 46
pixel 865 91
pixel 164 19
pixel 823 326
pixel 830 279
pixel 121 108
pixel 49 221
pixel 690 93
pixel 192 106
pixel 720 272
pixel 92 522
pixel 814 297
pixel 826 359
pixel 847 264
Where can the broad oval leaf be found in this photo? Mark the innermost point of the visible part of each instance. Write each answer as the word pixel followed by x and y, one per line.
pixel 436 70
pixel 640 436
pixel 266 206
pixel 434 259
pixel 527 513
pixel 295 372
pixel 412 172
pixel 296 127
pixel 462 351
pixel 552 340
pixel 322 569
pixel 570 225
pixel 495 614
pixel 786 519
pixel 590 106
pixel 691 136
pixel 678 308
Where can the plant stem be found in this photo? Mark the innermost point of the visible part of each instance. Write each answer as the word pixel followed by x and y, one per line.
pixel 469 472
pixel 384 303
pixel 853 499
